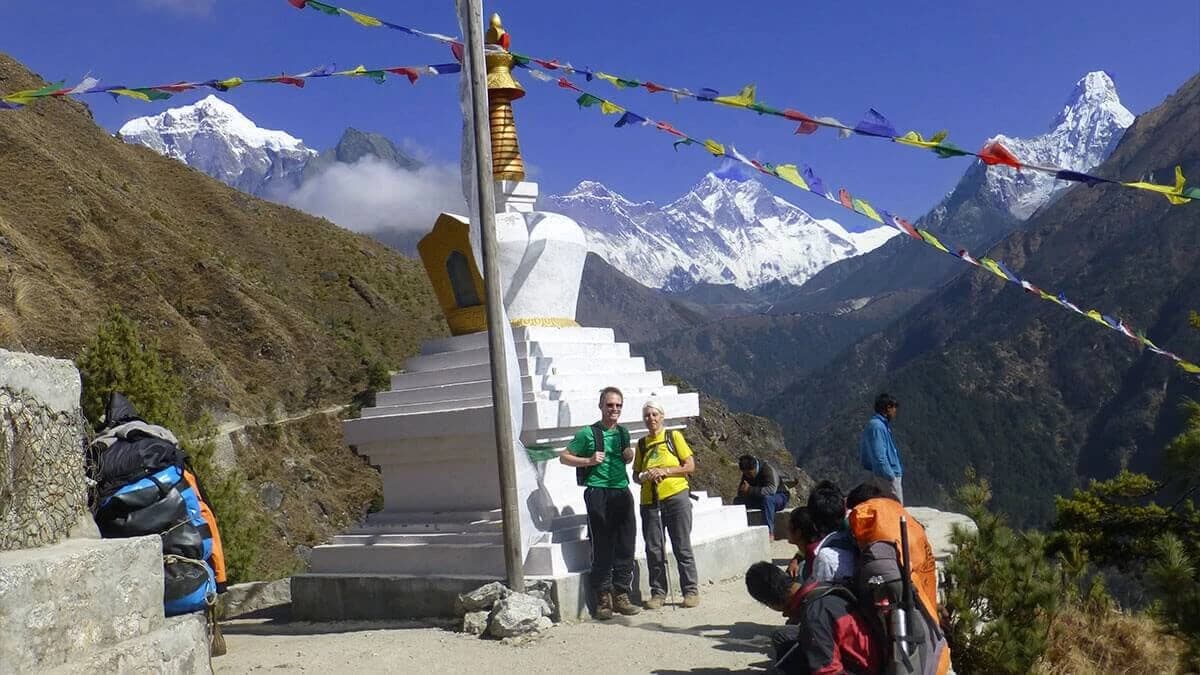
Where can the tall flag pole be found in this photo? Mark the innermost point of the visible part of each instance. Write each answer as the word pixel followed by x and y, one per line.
pixel 485 215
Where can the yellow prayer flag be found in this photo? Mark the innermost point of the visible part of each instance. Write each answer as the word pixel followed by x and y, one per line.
pixel 932 241
pixel 867 210
pixel 789 173
pixel 362 19
pixel 141 96
pixel 1189 366
pixel 611 79
pixel 608 108
pixel 1095 316
pixel 991 266
pixel 714 147
pixel 229 83
pixel 1173 193
pixel 1051 298
pixel 744 97
pixel 915 139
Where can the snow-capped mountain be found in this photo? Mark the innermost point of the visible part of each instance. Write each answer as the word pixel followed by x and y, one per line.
pixel 214 137
pixel 724 231
pixel 1081 136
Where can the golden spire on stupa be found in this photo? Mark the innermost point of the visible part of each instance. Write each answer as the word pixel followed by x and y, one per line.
pixel 503 89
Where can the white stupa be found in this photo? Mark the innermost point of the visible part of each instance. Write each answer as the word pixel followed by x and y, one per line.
pixel 432 437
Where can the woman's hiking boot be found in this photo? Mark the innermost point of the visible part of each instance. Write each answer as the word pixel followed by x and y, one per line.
pixel 691 600
pixel 604 606
pixel 655 602
pixel 624 606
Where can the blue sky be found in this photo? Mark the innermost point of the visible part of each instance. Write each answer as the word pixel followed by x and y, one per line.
pixel 976 68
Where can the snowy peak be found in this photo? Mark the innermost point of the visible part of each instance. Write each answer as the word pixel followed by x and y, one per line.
pixel 1094 93
pixel 215 137
pixel 1081 136
pixel 722 231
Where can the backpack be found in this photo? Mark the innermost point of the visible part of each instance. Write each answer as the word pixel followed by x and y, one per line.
pixel 139 471
pixel 582 472
pixel 889 578
pixel 641 446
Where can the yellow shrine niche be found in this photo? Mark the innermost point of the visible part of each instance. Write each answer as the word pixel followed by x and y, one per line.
pixel 454 274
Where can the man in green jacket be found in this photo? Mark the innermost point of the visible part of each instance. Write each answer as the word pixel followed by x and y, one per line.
pixel 611 517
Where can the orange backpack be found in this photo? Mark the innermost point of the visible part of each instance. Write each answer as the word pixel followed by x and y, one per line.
pixel 875 525
pixel 216 559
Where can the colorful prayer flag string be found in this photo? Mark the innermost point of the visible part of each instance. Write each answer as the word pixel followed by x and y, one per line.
pixel 91 85
pixel 808 181
pixel 873 124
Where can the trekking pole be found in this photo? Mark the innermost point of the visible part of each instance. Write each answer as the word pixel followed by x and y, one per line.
pixel 656 504
pixel 906 592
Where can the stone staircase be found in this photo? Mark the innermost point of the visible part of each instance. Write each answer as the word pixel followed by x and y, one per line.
pixel 93 606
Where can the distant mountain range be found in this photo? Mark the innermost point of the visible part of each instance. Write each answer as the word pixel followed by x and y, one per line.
pixel 724 231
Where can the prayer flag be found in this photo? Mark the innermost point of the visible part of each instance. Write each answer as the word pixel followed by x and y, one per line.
pixel 789 173
pixel 653 88
pixel 814 183
pixel 714 147
pixel 363 19
pixel 994 153
pixel 844 198
pixel 630 118
pixel 743 98
pixel 588 100
pixel 867 210
pixel 933 241
pixel 875 124
pixel 609 108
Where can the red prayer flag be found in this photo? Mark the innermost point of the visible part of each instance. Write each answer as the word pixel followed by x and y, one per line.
pixel 567 84
pixel 288 79
pixel 176 88
pixel 653 88
pixel 807 125
pixel 844 198
pixel 993 153
pixel 298 4
pixel 456 49
pixel 410 73
pixel 666 126
pixel 552 64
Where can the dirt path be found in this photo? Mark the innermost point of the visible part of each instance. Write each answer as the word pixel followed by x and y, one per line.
pixel 727 633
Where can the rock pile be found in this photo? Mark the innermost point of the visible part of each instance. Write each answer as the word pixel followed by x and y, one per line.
pixel 496 611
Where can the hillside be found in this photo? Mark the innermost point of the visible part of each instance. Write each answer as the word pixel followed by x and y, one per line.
pixel 1036 398
pixel 259 306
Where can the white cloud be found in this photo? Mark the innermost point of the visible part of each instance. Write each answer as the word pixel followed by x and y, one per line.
pixel 371 195
pixel 191 7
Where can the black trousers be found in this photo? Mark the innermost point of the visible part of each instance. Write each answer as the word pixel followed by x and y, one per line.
pixel 613 530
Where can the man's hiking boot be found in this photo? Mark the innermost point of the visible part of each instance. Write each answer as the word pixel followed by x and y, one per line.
pixel 691 600
pixel 624 606
pixel 655 602
pixel 604 606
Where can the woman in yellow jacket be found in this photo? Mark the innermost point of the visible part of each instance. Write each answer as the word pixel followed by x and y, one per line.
pixel 661 466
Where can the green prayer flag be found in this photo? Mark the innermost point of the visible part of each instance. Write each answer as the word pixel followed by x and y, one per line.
pixel 946 150
pixel 588 100
pixel 764 109
pixel 320 6
pixel 686 141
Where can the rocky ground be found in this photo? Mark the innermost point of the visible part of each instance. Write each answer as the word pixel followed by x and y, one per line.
pixel 727 633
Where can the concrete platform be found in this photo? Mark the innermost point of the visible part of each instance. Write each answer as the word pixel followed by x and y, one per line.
pixel 335 597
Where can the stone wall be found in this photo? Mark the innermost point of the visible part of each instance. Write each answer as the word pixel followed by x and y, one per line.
pixel 43 494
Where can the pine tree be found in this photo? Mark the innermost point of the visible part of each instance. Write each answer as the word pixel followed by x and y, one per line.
pixel 1173 574
pixel 1001 591
pixel 119 359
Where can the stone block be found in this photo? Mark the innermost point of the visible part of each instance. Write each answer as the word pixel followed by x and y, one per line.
pixel 256 597
pixel 482 598
pixel 475 623
pixel 60 602
pixel 53 382
pixel 178 647
pixel 516 614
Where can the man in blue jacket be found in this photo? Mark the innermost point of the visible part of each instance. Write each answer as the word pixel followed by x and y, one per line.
pixel 877 449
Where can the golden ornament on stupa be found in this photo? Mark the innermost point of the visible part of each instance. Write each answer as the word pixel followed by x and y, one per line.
pixel 503 89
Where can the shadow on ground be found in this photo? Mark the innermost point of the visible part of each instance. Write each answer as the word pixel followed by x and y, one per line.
pixel 275 627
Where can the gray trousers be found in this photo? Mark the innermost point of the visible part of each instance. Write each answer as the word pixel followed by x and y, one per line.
pixel 886 484
pixel 676 512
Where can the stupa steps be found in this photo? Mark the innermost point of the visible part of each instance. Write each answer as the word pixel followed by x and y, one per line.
pixel 525 351
pixel 585 375
pixel 483 388
pixel 522 334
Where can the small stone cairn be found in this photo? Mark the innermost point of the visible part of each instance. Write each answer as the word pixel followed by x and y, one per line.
pixel 494 610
